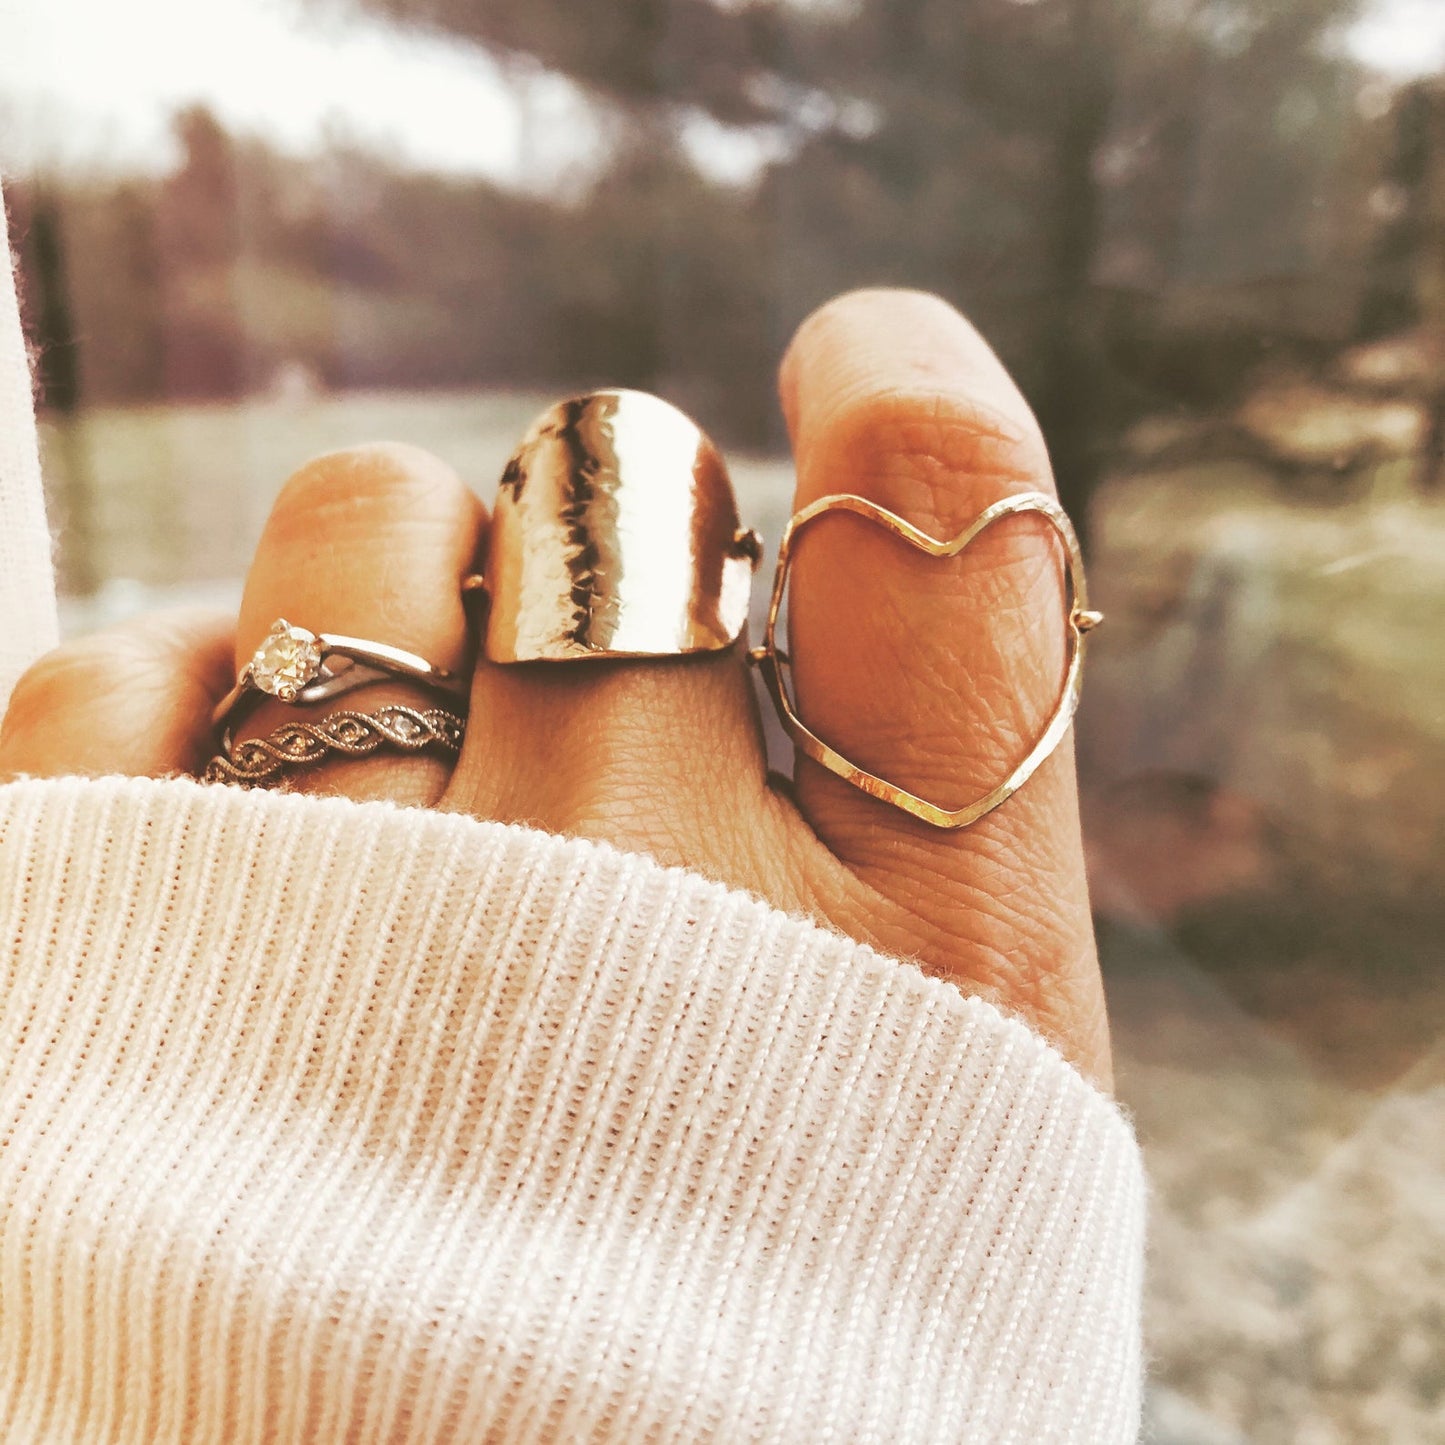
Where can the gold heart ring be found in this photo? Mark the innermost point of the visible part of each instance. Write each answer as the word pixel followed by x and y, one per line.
pixel 772 661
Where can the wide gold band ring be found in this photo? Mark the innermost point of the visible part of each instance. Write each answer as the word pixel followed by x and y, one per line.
pixel 615 534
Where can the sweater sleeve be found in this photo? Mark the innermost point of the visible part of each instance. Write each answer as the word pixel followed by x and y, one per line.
pixel 27 587
pixel 327 1121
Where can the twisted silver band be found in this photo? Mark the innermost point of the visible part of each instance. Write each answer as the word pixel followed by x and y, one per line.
pixel 259 761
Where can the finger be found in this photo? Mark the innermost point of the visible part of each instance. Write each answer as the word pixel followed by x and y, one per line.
pixel 657 756
pixel 938 675
pixel 133 699
pixel 614 533
pixel 372 543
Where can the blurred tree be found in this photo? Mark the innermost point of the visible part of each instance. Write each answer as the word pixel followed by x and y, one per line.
pixel 1432 292
pixel 46 298
pixel 202 210
pixel 1407 290
pixel 53 327
pixel 130 348
pixel 1137 200
pixel 637 53
pixel 199 221
pixel 1028 158
pixel 1404 242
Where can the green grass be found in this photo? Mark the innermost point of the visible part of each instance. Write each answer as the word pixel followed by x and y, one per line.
pixel 179 494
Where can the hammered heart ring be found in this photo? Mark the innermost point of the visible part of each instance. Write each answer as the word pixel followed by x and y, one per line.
pixel 773 661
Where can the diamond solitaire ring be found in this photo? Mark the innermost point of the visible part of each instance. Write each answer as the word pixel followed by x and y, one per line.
pixel 297 666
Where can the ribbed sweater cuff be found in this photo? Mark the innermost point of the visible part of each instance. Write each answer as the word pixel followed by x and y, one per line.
pixel 327 1121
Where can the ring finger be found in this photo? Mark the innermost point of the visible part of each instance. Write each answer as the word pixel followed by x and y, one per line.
pixel 372 543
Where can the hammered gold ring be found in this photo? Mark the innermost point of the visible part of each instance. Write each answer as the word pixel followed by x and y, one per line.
pixel 615 534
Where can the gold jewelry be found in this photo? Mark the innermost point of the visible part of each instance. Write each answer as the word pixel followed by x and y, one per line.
pixel 615 534
pixel 256 762
pixel 772 660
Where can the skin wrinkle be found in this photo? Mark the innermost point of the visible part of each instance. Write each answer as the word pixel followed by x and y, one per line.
pixel 955 436
pixel 914 468
pixel 641 761
pixel 998 702
pixel 1040 959
pixel 1061 1001
pixel 840 359
pixel 965 947
pixel 973 947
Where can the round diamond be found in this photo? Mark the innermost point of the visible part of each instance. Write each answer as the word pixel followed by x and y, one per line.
pixel 286 661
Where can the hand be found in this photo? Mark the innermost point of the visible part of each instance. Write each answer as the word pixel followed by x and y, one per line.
pixel 936 675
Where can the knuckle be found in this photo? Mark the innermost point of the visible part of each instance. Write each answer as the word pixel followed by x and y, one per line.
pixel 53 685
pixel 376 480
pixel 924 451
pixel 134 654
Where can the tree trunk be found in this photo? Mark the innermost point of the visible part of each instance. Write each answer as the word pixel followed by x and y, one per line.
pixel 60 394
pixel 1070 396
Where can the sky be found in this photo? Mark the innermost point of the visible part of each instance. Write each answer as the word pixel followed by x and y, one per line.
pixel 92 84
pixel 1401 37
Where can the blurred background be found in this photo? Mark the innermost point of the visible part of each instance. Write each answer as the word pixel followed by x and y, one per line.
pixel 1209 238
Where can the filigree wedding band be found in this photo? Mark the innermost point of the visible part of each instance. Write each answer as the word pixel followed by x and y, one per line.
pixel 259 762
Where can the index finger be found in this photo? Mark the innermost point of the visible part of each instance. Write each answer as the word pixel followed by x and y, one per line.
pixel 939 674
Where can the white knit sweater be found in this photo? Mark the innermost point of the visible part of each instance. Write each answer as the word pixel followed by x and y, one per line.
pixel 334 1122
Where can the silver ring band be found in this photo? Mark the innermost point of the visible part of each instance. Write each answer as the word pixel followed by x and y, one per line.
pixel 256 762
pixel 298 666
